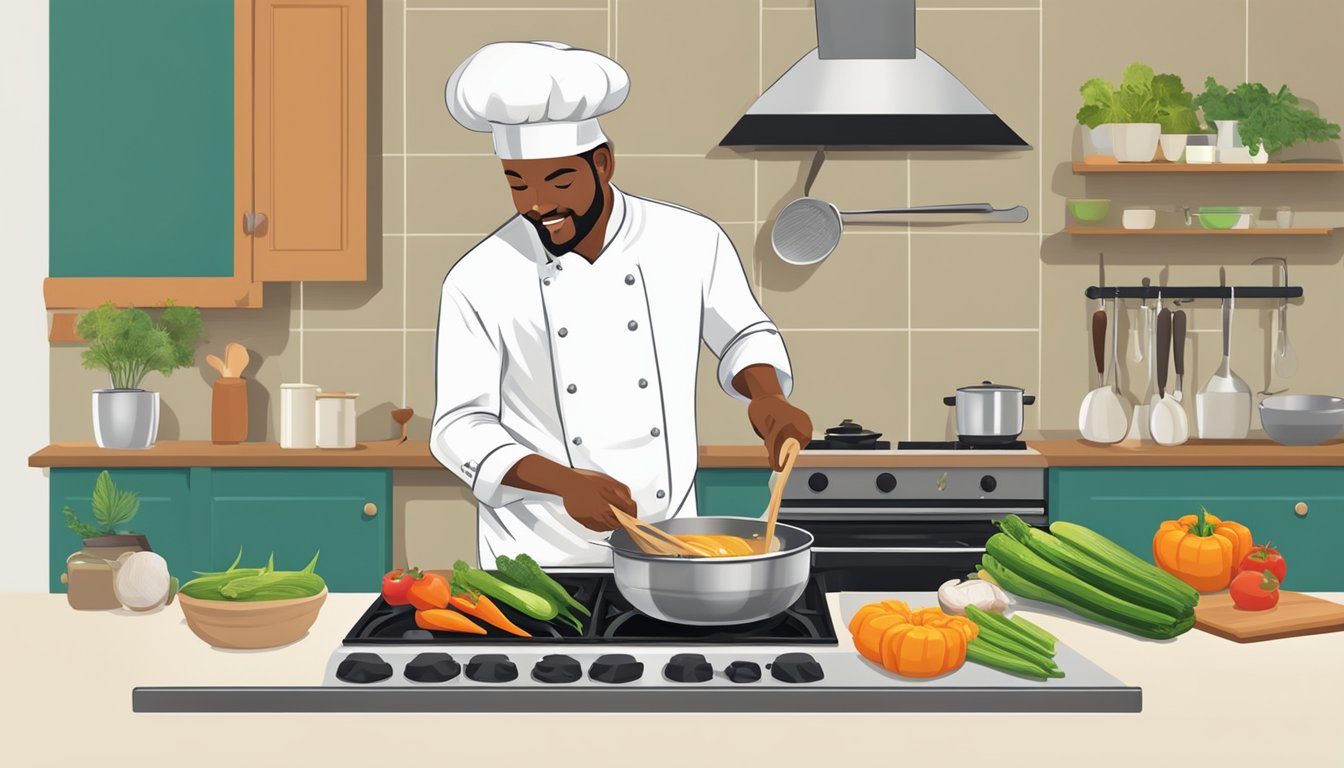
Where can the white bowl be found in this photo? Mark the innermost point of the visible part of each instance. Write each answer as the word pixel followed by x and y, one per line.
pixel 1200 155
pixel 1173 144
pixel 1135 142
pixel 1139 218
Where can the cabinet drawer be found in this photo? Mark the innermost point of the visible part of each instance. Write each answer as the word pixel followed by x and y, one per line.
pixel 164 516
pixel 345 515
pixel 1128 505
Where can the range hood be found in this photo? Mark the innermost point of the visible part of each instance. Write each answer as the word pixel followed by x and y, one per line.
pixel 867 85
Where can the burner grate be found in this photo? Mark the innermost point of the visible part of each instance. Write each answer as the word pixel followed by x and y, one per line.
pixel 957 445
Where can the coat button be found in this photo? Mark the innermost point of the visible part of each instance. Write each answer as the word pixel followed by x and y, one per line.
pixel 632 325
pixel 547 281
pixel 571 389
pixel 577 441
pixel 655 432
pixel 563 332
pixel 660 494
pixel 643 383
pixel 629 279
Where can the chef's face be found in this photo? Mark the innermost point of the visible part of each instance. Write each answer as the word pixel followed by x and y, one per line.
pixel 562 197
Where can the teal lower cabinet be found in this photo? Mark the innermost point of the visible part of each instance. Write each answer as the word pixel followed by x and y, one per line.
pixel 346 514
pixel 732 492
pixel 165 515
pixel 1128 505
pixel 200 518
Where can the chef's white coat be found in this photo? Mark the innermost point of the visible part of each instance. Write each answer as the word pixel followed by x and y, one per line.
pixel 590 365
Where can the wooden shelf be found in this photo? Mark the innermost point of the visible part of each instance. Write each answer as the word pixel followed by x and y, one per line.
pixel 1272 231
pixel 1208 168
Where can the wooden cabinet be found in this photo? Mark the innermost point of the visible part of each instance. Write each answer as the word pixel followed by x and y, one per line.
pixel 174 123
pixel 1128 505
pixel 199 518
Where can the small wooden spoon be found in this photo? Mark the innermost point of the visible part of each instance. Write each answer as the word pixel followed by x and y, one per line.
pixel 788 455
pixel 402 416
pixel 236 356
pixel 217 364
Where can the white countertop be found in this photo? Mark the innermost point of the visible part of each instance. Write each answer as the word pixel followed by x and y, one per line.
pixel 68 677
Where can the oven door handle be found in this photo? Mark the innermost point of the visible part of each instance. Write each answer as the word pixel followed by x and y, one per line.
pixel 896 513
pixel 897 550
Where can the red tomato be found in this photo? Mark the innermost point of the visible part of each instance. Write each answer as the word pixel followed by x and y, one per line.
pixel 1265 558
pixel 430 593
pixel 1253 591
pixel 397 585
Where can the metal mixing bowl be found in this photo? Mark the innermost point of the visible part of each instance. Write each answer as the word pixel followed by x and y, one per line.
pixel 1302 419
pixel 714 590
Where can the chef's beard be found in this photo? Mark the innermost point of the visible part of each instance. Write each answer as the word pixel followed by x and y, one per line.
pixel 583 222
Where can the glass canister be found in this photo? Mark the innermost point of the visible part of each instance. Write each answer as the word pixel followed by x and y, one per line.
pixel 297 412
pixel 89 571
pixel 336 419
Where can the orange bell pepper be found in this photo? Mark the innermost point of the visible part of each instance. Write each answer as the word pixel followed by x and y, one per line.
pixel 485 609
pixel 447 621
pixel 1201 550
pixel 430 592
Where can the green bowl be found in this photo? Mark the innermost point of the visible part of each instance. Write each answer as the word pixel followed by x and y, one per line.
pixel 1219 217
pixel 1089 210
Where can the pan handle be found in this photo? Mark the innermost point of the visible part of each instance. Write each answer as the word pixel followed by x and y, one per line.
pixel 949 401
pixel 1028 399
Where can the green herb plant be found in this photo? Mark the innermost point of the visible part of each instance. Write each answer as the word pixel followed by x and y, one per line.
pixel 129 344
pixel 1264 116
pixel 111 507
pixel 1143 97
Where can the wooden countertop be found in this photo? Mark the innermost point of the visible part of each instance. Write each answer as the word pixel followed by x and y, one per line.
pixel 414 454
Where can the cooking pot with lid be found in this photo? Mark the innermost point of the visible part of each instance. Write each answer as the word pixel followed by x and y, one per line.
pixel 988 413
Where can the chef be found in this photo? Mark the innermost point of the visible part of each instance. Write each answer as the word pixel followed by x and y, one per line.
pixel 568 340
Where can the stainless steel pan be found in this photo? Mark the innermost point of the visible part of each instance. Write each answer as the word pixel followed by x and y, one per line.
pixel 714 590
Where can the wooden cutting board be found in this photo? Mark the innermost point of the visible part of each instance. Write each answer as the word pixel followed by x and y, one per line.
pixel 1296 614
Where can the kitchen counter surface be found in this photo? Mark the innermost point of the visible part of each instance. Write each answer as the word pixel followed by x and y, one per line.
pixel 69 677
pixel 414 454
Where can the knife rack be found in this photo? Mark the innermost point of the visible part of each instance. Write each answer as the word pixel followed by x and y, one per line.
pixel 1198 292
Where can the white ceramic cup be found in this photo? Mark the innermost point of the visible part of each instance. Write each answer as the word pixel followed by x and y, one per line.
pixel 1173 144
pixel 298 428
pixel 1139 218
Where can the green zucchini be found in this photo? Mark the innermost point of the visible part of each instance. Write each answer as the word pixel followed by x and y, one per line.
pixel 1012 647
pixel 1102 548
pixel 1093 571
pixel 988 621
pixel 981 652
pixel 1045 638
pixel 1018 585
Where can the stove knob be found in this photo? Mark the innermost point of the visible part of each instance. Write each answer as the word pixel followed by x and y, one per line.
pixel 988 483
pixel 492 668
pixel 432 668
pixel 743 671
pixel 796 668
pixel 818 482
pixel 557 668
pixel 688 668
pixel 886 482
pixel 363 668
pixel 616 668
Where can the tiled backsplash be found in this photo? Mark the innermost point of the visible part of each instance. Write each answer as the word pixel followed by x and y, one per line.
pixel 894 319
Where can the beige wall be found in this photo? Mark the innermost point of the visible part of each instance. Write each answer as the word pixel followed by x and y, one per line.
pixel 893 319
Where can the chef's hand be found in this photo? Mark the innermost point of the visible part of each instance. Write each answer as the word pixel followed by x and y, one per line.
pixel 588 497
pixel 776 420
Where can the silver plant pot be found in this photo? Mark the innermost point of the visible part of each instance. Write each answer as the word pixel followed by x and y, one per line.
pixel 125 418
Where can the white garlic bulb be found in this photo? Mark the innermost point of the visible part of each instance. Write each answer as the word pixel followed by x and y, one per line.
pixel 955 595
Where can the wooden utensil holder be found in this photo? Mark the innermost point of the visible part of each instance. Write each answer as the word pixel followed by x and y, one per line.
pixel 228 411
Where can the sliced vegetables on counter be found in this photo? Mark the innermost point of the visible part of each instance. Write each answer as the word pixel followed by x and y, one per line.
pixel 255 584
pixel 1015 646
pixel 912 643
pixel 954 596
pixel 1081 571
pixel 1201 550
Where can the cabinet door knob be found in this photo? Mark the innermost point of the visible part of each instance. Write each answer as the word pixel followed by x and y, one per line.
pixel 1301 509
pixel 65 578
pixel 370 509
pixel 253 222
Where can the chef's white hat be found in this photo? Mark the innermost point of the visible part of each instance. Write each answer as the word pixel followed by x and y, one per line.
pixel 538 99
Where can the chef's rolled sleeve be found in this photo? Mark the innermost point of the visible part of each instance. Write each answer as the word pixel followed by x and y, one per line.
pixel 736 329
pixel 467 437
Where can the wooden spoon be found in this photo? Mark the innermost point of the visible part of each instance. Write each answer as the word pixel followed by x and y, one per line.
pixel 235 355
pixel 402 416
pixel 788 455
pixel 652 540
pixel 217 364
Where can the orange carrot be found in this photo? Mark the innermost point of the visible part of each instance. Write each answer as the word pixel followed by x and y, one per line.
pixel 448 621
pixel 486 610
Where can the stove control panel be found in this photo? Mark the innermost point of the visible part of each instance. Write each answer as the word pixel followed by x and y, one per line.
pixel 889 486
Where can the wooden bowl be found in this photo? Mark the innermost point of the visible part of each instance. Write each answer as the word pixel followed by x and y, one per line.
pixel 258 624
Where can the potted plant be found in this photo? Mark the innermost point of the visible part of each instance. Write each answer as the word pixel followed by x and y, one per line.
pixel 89 573
pixel 1145 107
pixel 1252 121
pixel 128 344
